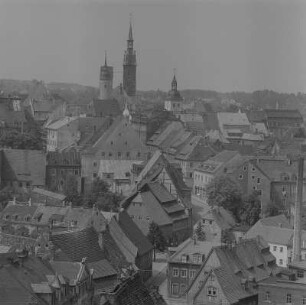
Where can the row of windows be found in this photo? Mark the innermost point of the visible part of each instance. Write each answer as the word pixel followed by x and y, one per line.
pixel 202 178
pixel 176 289
pixel 119 154
pixel 176 272
pixel 288 298
pixel 281 249
pixel 141 217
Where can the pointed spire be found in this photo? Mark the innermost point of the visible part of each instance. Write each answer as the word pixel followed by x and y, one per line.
pixel 174 82
pixel 130 31
pixel 105 59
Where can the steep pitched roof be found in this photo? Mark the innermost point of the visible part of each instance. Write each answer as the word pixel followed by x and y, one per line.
pixel 196 149
pixel 74 246
pixel 60 123
pixel 190 247
pixel 120 136
pixel 24 165
pixel 154 167
pixel 276 221
pixel 80 244
pixel 20 210
pixel 283 113
pixel 249 259
pixel 272 234
pixel 233 118
pixel 134 233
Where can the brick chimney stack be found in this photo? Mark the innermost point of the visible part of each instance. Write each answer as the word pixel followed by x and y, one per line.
pixel 297 216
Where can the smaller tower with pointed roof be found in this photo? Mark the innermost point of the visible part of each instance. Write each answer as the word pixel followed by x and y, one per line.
pixel 174 99
pixel 106 81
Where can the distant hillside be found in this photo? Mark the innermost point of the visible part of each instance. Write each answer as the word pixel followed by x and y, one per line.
pixel 80 94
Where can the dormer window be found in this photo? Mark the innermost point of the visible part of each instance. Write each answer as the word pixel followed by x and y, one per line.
pixel 7 216
pixel 15 217
pixel 184 258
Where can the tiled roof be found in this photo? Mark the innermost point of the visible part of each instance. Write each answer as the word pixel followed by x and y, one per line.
pixel 276 221
pixel 81 216
pixel 24 165
pixel 15 283
pixel 61 123
pixel 160 192
pixel 18 209
pixel 132 292
pixel 80 244
pixel 283 113
pixel 232 118
pixel 70 270
pixel 190 247
pixel 46 213
pixel 231 285
pixel 48 193
pixel 101 269
pixel 119 137
pixel 75 246
pixel 134 233
pixel 271 234
pixel 196 149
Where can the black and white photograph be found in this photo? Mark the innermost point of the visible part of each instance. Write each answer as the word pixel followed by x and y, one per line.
pixel 152 152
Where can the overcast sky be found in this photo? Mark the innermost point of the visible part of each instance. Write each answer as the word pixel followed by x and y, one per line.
pixel 220 45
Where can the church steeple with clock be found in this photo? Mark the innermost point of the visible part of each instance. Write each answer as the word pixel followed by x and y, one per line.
pixel 129 66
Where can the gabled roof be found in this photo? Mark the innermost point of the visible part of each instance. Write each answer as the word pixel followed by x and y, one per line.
pixel 232 118
pixel 61 123
pixel 196 149
pixel 119 137
pixel 21 210
pixel 134 233
pixel 24 165
pixel 79 244
pixel 283 113
pixel 248 259
pixel 154 167
pixel 272 234
pixel 190 247
pixel 276 221
pixel 74 246
pixel 46 193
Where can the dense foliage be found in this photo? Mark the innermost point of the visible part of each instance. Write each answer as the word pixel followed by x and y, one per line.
pixel 225 192
pixel 156 237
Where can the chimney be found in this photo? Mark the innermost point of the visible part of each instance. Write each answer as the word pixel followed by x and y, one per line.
pixel 297 216
pixel 101 241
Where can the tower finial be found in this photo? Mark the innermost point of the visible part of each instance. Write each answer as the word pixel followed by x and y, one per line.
pixel 105 59
pixel 130 31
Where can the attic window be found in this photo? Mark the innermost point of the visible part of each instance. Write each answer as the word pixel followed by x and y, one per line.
pixel 111 142
pixel 184 258
pixel 212 291
pixel 7 216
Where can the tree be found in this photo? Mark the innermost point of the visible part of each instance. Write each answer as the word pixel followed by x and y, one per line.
pixel 249 214
pixel 17 140
pixel 199 232
pixel 223 191
pixel 273 209
pixel 156 237
pixel 103 197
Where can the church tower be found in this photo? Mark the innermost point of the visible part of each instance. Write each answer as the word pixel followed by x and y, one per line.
pixel 174 100
pixel 129 66
pixel 106 81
